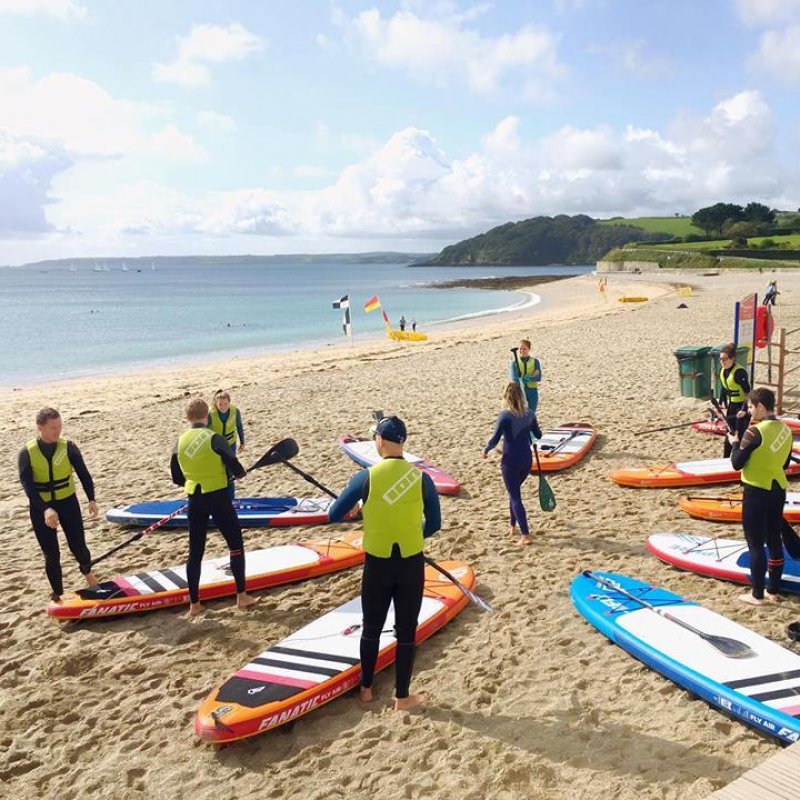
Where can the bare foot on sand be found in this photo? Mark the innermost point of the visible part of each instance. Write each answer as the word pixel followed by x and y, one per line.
pixel 91 581
pixel 748 598
pixel 524 540
pixel 411 702
pixel 195 610
pixel 365 694
pixel 245 600
pixel 512 529
pixel 772 598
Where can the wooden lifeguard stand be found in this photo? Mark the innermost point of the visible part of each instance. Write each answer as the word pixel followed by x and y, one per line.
pixel 777 368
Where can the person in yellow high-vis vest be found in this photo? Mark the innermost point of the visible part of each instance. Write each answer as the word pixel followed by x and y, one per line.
pixel 527 371
pixel 762 455
pixel 201 463
pixel 734 388
pixel 400 509
pixel 225 419
pixel 46 466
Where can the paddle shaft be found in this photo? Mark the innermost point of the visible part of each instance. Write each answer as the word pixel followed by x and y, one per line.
pixel 561 444
pixel 310 479
pixel 669 427
pixel 515 351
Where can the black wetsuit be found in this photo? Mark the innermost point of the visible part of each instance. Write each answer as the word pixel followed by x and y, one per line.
pixel 390 580
pixel 762 520
pixel 68 510
pixel 737 424
pixel 219 507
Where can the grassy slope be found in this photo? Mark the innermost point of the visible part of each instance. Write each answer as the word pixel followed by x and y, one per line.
pixel 792 241
pixel 675 226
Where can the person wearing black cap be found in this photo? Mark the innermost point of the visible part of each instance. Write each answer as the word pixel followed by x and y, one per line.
pixel 400 510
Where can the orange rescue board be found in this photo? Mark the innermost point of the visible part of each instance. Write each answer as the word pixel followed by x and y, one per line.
pixel 728 508
pixel 683 473
pixel 564 446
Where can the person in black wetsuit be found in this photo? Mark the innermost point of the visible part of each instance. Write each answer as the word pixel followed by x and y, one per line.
pixel 401 510
pixel 762 456
pixel 200 462
pixel 735 386
pixel 515 424
pixel 46 465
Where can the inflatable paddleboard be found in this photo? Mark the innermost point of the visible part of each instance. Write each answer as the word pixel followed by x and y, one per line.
pixel 728 507
pixel 683 473
pixel 253 512
pixel 725 559
pixel 761 690
pixel 564 446
pixel 720 428
pixel 163 588
pixel 364 452
pixel 317 663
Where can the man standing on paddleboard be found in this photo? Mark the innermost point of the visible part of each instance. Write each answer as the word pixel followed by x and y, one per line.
pixel 527 371
pixel 46 465
pixel 735 386
pixel 200 463
pixel 762 456
pixel 400 510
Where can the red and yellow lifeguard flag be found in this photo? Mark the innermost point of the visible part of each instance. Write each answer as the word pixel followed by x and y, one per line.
pixel 373 304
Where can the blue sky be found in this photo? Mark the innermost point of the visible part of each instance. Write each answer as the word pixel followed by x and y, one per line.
pixel 137 127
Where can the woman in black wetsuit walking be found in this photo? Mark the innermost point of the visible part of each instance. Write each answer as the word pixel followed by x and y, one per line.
pixel 515 424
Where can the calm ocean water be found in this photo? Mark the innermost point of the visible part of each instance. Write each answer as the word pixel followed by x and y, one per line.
pixel 63 323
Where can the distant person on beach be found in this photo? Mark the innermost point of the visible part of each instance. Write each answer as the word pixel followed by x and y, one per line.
pixel 201 462
pixel 602 285
pixel 734 388
pixel 226 420
pixel 771 294
pixel 414 325
pixel 401 509
pixel 763 455
pixel 526 370
pixel 515 424
pixel 46 465
pixel 402 323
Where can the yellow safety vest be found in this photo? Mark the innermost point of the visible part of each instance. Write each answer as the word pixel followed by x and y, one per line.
pixel 227 428
pixel 52 478
pixel 732 386
pixel 765 463
pixel 200 465
pixel 525 369
pixel 394 511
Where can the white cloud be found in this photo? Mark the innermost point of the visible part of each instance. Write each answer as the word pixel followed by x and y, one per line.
pixel 443 50
pixel 213 121
pixel 207 44
pixel 768 12
pixel 778 54
pixel 634 57
pixel 64 9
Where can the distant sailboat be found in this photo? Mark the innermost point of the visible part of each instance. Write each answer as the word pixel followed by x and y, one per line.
pixel 153 266
pixel 97 267
pixel 124 267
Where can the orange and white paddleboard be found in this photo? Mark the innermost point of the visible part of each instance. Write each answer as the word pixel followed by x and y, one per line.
pixel 683 473
pixel 728 508
pixel 564 446
pixel 163 588
pixel 317 664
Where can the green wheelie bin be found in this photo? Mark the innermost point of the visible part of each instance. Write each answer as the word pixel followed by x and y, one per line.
pixel 694 371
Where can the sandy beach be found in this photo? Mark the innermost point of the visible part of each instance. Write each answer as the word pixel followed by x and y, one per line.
pixel 527 703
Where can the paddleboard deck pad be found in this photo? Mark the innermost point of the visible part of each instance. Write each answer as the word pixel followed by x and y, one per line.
pixel 253 512
pixel 728 508
pixel 684 473
pixel 762 690
pixel 316 664
pixel 364 453
pixel 564 446
pixel 163 588
pixel 725 559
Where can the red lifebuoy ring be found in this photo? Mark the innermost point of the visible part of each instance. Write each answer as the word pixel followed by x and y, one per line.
pixel 765 325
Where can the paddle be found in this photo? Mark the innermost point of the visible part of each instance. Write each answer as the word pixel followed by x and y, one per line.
pixel 547 500
pixel 731 648
pixel 549 453
pixel 474 598
pixel 515 352
pixel 274 455
pixel 669 427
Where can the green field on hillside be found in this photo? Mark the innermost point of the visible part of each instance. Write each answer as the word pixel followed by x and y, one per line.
pixel 674 226
pixel 792 242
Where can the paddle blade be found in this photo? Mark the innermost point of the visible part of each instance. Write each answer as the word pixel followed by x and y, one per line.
pixel 547 500
pixel 732 648
pixel 277 454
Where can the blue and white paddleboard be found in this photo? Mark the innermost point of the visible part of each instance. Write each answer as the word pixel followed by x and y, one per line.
pixel 253 512
pixel 762 690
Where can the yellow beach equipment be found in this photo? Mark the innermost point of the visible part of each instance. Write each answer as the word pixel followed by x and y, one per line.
pixel 633 299
pixel 402 336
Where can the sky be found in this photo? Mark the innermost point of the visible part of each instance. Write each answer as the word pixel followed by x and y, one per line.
pixel 143 127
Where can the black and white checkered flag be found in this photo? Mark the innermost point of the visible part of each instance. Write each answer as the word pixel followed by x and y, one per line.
pixel 344 304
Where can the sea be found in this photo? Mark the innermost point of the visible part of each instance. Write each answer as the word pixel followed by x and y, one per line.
pixel 61 322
